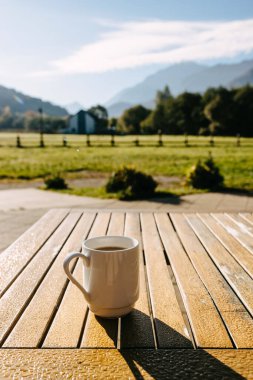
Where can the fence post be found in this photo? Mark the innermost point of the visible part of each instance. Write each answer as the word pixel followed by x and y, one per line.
pixel 40 110
pixel 18 142
pixel 88 140
pixel 64 141
pixel 186 139
pixel 42 145
pixel 238 142
pixel 136 141
pixel 160 137
pixel 112 140
pixel 211 141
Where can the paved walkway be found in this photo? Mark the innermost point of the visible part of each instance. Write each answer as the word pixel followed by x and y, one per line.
pixel 19 208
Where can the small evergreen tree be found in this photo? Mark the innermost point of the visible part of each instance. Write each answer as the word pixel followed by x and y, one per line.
pixel 205 175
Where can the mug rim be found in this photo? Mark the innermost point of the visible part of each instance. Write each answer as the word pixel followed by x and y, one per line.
pixel 133 240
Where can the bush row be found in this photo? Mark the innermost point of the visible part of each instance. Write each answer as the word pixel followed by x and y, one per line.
pixel 129 183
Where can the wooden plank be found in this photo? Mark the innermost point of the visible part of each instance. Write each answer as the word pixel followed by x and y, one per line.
pixel 233 229
pixel 67 325
pixel 242 223
pixel 238 279
pixel 31 328
pixel 68 322
pixel 100 332
pixel 206 324
pixel 240 253
pixel 238 321
pixel 117 222
pixel 100 225
pixel 36 319
pixel 247 216
pixel 15 258
pixel 17 297
pixel 136 328
pixel 126 364
pixel 169 323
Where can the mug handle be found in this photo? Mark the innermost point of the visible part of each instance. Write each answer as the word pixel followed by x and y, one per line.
pixel 66 263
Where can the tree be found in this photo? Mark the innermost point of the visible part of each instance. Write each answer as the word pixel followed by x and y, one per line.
pixel 131 119
pixel 243 111
pixel 99 111
pixel 101 115
pixel 156 120
pixel 220 111
pixel 6 118
pixel 182 114
pixel 51 124
pixel 112 122
pixel 210 94
pixel 189 115
pixel 163 96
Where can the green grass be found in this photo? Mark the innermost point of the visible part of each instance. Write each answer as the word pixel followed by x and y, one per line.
pixel 100 192
pixel 97 192
pixel 172 159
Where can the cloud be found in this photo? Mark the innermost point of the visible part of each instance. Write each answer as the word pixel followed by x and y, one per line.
pixel 133 44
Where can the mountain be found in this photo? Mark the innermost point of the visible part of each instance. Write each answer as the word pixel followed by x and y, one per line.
pixel 218 75
pixel 146 90
pixel 74 107
pixel 20 103
pixel 246 78
pixel 117 109
pixel 187 76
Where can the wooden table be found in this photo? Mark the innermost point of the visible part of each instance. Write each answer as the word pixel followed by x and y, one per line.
pixel 193 317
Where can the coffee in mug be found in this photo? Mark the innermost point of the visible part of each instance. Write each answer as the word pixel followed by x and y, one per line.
pixel 110 274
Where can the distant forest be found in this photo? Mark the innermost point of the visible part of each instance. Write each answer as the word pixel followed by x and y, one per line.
pixel 30 121
pixel 218 111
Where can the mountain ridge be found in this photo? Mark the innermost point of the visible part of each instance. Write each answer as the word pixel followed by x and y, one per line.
pixel 21 103
pixel 186 76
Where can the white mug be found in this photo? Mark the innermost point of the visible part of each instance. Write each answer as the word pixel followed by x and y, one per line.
pixel 111 277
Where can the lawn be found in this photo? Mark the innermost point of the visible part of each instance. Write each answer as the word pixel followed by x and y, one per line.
pixel 171 159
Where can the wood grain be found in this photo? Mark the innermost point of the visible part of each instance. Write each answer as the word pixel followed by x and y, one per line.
pixel 237 319
pixel 100 332
pixel 201 311
pixel 34 322
pixel 247 216
pixel 15 258
pixel 117 222
pixel 67 325
pixel 240 253
pixel 238 279
pixel 126 364
pixel 233 229
pixel 242 223
pixel 136 328
pixel 39 307
pixel 169 323
pixel 100 225
pixel 17 297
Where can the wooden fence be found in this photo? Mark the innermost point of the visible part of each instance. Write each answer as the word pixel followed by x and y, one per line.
pixel 67 141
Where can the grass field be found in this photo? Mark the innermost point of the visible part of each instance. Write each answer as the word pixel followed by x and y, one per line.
pixel 171 159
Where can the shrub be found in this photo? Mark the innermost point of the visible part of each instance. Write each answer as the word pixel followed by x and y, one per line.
pixel 55 182
pixel 205 175
pixel 131 184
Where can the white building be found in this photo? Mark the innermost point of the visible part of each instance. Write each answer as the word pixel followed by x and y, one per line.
pixel 81 123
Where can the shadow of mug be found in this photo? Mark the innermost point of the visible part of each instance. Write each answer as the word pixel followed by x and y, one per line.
pixel 175 360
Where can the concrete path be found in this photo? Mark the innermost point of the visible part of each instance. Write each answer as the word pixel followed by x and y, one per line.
pixel 20 208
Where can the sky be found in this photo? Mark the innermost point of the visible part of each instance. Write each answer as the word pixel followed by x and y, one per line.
pixel 86 51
